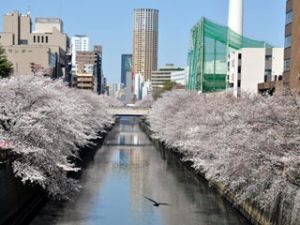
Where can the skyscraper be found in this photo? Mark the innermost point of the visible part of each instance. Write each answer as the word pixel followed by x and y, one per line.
pixel 145 42
pixel 126 66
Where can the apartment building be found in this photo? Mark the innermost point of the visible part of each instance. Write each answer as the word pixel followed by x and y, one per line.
pixel 78 43
pixel 90 62
pixel 250 66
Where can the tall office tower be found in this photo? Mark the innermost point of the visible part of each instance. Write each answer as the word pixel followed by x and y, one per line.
pixel 126 66
pixel 78 43
pixel 291 75
pixel 145 42
pixel 235 16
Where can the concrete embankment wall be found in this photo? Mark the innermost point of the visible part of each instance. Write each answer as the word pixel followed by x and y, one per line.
pixel 286 211
pixel 17 201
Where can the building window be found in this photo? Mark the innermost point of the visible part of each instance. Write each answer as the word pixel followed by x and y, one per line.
pixel 289 17
pixel 38 39
pixel 239 69
pixel 288 41
pixel 287 64
pixel 46 39
pixel 42 39
pixel 34 39
pixel 268 57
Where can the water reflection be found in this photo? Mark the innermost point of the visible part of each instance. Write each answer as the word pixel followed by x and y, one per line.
pixel 126 169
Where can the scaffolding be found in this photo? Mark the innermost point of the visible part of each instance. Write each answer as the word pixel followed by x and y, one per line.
pixel 211 44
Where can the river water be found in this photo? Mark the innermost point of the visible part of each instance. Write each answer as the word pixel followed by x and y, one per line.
pixel 125 170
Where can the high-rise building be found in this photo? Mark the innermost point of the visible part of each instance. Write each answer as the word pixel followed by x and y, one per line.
pixel 46 46
pixel 291 75
pixel 78 43
pixel 145 42
pixel 126 66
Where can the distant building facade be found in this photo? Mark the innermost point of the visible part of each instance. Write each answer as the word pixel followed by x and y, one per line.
pixel 78 43
pixel 250 66
pixel 162 75
pixel 208 55
pixel 141 87
pixel 126 66
pixel 145 42
pixel 179 77
pixel 46 46
pixel 84 81
pixel 291 75
pixel 90 62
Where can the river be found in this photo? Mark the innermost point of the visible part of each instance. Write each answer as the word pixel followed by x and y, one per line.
pixel 125 170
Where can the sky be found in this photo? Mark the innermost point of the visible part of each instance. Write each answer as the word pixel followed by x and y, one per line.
pixel 110 23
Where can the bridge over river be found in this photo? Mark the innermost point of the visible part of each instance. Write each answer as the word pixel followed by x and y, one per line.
pixel 129 111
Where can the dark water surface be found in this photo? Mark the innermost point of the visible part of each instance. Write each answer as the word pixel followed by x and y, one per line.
pixel 124 170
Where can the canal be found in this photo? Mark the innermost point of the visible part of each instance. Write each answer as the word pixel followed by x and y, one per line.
pixel 125 170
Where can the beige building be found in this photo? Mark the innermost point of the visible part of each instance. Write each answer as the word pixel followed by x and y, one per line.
pixel 90 62
pixel 46 46
pixel 84 81
pixel 145 42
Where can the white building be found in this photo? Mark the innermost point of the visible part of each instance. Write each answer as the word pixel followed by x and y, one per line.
pixel 78 43
pixel 159 77
pixel 141 87
pixel 250 66
pixel 180 77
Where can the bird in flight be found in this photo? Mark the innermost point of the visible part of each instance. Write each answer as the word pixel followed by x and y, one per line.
pixel 155 203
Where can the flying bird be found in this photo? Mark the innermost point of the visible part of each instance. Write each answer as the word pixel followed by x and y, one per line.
pixel 155 203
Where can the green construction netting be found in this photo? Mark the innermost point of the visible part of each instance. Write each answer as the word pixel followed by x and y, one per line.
pixel 207 58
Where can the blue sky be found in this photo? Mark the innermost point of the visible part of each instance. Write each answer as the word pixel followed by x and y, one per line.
pixel 110 23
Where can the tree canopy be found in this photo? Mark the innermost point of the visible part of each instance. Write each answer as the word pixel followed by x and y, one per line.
pixel 6 67
pixel 47 123
pixel 251 144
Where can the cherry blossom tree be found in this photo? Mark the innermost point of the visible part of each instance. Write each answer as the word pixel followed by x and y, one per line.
pixel 47 123
pixel 112 101
pixel 250 144
pixel 146 102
